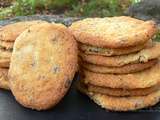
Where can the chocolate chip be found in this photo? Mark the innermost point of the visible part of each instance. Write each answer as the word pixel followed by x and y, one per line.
pixel 41 77
pixel 29 30
pixel 148 35
pixel 108 52
pixel 33 64
pixel 56 69
pixel 94 50
pixel 142 58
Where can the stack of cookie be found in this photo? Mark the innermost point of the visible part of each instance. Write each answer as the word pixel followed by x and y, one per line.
pixel 119 63
pixel 8 35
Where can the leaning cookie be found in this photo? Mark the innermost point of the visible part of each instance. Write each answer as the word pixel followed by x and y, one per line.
pixel 142 79
pixel 43 65
pixel 122 103
pixel 93 50
pixel 116 61
pixel 130 68
pixel 4 82
pixel 113 32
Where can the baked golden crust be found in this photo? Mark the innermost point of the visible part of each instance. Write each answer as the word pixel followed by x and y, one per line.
pixel 93 50
pixel 12 31
pixel 4 63
pixel 4 82
pixel 143 79
pixel 113 32
pixel 130 68
pixel 6 45
pixel 43 64
pixel 122 103
pixel 117 61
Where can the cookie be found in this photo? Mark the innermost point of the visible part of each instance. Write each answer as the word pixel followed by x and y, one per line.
pixel 5 53
pixel 43 64
pixel 12 31
pixel 4 63
pixel 122 92
pixel 6 45
pixel 113 32
pixel 117 61
pixel 123 103
pixel 4 82
pixel 93 50
pixel 143 79
pixel 129 68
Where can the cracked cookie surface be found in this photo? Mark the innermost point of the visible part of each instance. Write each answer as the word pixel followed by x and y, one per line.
pixel 113 32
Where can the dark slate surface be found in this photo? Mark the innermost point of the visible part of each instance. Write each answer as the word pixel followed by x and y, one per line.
pixel 74 106
pixel 50 18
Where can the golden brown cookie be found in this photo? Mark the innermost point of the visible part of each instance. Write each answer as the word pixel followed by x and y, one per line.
pixel 143 79
pixel 129 68
pixel 123 103
pixel 4 82
pixel 4 63
pixel 93 50
pixel 113 32
pixel 6 45
pixel 43 64
pixel 12 31
pixel 117 61
pixel 122 92
pixel 5 53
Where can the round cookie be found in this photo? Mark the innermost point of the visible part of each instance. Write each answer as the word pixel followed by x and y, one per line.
pixel 143 79
pixel 129 68
pixel 4 63
pixel 123 103
pixel 117 61
pixel 6 45
pixel 4 82
pixel 5 53
pixel 93 50
pixel 122 92
pixel 113 32
pixel 43 64
pixel 12 31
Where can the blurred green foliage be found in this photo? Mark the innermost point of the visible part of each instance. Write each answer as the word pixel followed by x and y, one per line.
pixel 89 8
pixel 157 37
pixel 96 8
